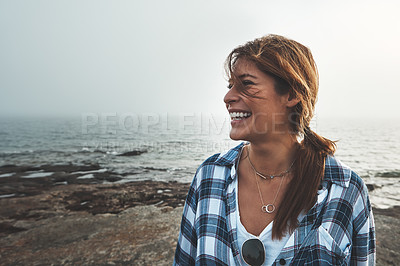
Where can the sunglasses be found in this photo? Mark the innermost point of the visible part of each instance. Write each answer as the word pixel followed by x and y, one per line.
pixel 253 252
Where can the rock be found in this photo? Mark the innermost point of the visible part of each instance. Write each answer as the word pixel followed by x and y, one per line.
pixel 371 187
pixel 389 174
pixel 68 168
pixel 117 224
pixel 91 224
pixel 7 228
pixel 167 209
pixel 141 236
pixel 18 185
pixel 392 212
pixel 131 153
pixel 387 226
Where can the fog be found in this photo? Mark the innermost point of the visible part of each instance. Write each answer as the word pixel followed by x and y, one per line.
pixel 78 57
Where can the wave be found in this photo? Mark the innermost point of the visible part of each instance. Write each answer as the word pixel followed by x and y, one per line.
pixel 5 153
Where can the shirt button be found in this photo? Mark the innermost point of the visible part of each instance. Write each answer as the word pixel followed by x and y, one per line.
pixel 282 262
pixel 320 187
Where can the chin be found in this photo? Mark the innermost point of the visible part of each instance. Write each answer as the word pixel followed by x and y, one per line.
pixel 237 136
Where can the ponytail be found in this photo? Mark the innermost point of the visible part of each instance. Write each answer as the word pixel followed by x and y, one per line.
pixel 318 143
pixel 308 173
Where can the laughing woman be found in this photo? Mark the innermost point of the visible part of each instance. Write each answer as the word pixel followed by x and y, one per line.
pixel 280 197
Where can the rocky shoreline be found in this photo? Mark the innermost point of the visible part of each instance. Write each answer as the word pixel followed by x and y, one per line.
pixel 63 219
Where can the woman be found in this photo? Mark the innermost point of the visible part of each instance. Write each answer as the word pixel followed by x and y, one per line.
pixel 281 197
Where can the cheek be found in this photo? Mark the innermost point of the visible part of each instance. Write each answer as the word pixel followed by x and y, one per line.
pixel 260 122
pixel 274 108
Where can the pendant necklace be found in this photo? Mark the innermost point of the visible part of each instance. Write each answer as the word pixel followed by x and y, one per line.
pixel 268 208
pixel 282 174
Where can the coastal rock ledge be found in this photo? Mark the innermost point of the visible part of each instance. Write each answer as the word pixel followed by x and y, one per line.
pixel 134 223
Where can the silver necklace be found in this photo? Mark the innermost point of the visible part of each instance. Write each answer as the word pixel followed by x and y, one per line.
pixel 269 208
pixel 282 174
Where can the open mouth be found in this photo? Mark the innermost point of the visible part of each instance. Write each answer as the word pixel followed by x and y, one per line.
pixel 239 115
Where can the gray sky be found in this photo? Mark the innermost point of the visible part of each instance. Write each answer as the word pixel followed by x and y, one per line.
pixel 72 57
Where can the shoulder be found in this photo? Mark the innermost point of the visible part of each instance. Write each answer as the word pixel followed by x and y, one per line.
pixel 217 167
pixel 347 189
pixel 340 174
pixel 225 159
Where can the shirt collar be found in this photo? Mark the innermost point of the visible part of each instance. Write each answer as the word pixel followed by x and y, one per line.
pixel 229 157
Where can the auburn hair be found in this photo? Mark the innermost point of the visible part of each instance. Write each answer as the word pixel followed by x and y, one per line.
pixel 293 68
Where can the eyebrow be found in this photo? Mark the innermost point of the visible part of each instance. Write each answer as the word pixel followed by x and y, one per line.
pixel 247 76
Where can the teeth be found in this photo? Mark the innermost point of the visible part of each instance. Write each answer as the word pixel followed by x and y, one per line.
pixel 235 115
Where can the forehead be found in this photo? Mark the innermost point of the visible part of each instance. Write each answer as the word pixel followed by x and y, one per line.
pixel 244 66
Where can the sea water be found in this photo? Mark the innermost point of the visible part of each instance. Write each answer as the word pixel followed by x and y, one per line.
pixel 171 147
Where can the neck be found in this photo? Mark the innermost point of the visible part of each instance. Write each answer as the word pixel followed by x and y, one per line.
pixel 274 156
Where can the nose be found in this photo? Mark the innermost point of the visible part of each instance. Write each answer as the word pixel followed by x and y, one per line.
pixel 231 96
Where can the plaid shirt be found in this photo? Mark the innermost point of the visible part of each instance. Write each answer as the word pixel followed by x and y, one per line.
pixel 337 230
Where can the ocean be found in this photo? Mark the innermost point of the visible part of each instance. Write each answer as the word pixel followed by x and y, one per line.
pixel 169 147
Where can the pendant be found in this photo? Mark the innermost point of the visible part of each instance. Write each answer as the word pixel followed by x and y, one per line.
pixel 270 208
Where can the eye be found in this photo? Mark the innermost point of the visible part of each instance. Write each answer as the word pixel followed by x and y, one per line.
pixel 247 82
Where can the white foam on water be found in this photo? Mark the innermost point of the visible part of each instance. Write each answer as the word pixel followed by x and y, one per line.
pixel 7 175
pixel 38 174
pixel 91 171
pixel 387 193
pixel 86 176
pixel 7 196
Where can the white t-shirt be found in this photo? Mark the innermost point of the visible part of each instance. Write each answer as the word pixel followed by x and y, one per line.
pixel 272 247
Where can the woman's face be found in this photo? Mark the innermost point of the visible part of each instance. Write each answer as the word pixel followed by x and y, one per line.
pixel 256 119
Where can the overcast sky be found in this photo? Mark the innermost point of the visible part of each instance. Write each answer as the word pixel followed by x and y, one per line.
pixel 73 57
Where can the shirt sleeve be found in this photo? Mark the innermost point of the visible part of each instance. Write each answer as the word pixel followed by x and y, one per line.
pixel 186 249
pixel 363 242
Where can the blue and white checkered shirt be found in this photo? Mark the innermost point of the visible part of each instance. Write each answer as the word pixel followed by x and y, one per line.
pixel 337 230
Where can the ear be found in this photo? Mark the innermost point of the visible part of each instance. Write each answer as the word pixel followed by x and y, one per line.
pixel 291 100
